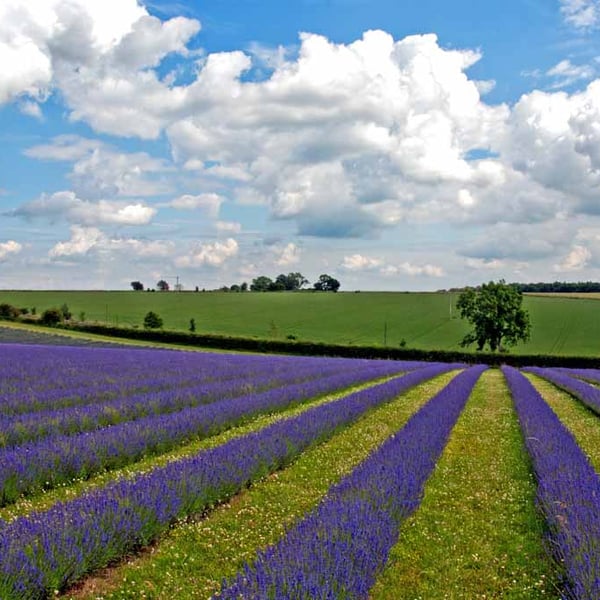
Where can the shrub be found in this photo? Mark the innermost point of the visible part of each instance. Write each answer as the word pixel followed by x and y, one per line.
pixel 152 321
pixel 66 313
pixel 51 316
pixel 9 312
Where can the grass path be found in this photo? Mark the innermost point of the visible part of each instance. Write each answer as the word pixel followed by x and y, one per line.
pixel 191 561
pixel 581 421
pixel 477 534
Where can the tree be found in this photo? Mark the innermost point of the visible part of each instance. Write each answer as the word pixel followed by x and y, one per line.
pixel 138 286
pixel 291 282
pixel 326 283
pixel 163 286
pixel 66 313
pixel 262 284
pixel 152 321
pixel 495 312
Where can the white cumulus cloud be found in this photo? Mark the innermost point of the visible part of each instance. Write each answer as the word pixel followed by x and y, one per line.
pixel 9 247
pixel 211 254
pixel 583 14
pixel 66 205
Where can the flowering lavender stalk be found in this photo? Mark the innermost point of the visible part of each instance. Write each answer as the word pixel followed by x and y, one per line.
pixel 339 548
pixel 49 550
pixel 586 393
pixel 568 489
pixel 52 461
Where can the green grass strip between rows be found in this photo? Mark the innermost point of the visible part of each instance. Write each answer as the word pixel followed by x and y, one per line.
pixel 191 561
pixel 476 534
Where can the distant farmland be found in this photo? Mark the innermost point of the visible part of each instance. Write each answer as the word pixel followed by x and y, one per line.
pixel 561 325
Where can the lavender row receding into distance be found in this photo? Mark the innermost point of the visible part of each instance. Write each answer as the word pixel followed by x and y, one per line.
pixel 56 460
pixel 568 489
pixel 586 393
pixel 46 551
pixel 340 547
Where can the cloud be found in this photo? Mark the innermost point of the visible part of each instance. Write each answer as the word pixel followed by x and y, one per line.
pixel 212 255
pixel 228 226
pixel 289 255
pixel 566 73
pixel 362 263
pixel 8 248
pixel 66 205
pixel 91 240
pixel 358 262
pixel 576 260
pixel 582 14
pixel 407 268
pixel 521 242
pixel 208 203
pixel 340 140
pixel 101 171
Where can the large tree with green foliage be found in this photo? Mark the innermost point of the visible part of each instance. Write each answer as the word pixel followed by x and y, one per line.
pixel 495 311
pixel 327 283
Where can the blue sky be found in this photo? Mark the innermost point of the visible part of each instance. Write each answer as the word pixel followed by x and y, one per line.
pixel 397 146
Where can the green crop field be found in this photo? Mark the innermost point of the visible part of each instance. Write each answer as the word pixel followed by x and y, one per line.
pixel 563 326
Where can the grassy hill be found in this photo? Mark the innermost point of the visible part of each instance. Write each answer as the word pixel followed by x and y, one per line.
pixel 561 325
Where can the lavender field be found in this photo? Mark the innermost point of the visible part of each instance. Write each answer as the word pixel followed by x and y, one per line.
pixel 147 473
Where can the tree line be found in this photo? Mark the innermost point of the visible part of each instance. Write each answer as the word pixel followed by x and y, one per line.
pixel 559 287
pixel 282 283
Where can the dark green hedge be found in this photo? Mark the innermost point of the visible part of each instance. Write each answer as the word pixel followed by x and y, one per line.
pixel 321 349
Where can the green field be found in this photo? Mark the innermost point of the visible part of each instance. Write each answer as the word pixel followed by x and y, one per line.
pixel 562 326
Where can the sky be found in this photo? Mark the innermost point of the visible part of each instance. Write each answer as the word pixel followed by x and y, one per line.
pixel 392 145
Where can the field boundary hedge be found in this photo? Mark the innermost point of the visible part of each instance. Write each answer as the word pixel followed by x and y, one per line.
pixel 306 348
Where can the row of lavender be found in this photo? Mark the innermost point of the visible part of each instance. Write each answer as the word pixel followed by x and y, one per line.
pixel 56 460
pixel 49 550
pixel 568 490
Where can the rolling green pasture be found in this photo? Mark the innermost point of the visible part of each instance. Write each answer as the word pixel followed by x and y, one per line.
pixel 563 326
